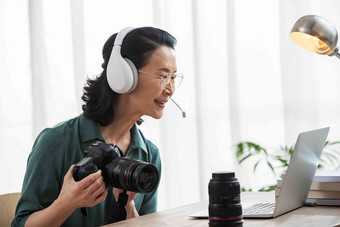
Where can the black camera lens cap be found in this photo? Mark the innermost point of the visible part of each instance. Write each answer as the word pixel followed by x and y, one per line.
pixel 223 175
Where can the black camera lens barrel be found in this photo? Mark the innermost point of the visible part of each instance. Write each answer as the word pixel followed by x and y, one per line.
pixel 224 200
pixel 126 173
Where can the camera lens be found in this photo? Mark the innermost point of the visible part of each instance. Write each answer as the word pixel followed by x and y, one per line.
pixel 224 200
pixel 145 177
pixel 132 175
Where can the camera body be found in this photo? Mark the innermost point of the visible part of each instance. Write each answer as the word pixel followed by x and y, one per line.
pixel 117 171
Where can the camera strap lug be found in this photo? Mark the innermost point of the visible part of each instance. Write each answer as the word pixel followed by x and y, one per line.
pixel 119 212
pixel 123 198
pixel 84 213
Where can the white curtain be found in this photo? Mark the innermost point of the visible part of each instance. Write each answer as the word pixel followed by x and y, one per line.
pixel 244 80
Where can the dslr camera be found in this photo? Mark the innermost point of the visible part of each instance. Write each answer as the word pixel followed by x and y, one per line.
pixel 117 171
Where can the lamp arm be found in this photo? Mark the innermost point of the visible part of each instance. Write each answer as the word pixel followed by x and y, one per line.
pixel 337 54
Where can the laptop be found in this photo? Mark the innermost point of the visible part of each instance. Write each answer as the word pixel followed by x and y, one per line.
pixel 299 175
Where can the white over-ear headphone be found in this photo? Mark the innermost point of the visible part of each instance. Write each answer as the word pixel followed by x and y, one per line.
pixel 121 73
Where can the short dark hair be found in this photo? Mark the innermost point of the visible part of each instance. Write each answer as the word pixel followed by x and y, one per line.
pixel 138 46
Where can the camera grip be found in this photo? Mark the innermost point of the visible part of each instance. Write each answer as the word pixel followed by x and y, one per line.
pixel 84 168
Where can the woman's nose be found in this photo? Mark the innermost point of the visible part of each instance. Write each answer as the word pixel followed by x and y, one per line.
pixel 169 89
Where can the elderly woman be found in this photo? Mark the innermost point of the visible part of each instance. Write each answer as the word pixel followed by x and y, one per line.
pixel 139 77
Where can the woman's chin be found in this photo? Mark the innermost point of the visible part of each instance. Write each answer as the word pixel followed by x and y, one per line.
pixel 156 115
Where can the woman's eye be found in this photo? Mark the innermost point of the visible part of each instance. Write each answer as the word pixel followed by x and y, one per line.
pixel 164 77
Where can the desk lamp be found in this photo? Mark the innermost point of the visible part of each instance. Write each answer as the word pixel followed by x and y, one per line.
pixel 316 34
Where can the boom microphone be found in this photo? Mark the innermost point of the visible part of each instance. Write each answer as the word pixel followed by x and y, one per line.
pixel 183 112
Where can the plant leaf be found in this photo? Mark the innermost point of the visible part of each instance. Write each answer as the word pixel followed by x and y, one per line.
pixel 239 149
pixel 271 167
pixel 267 188
pixel 255 166
pixel 244 158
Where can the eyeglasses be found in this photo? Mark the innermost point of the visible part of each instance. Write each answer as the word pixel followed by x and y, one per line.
pixel 176 79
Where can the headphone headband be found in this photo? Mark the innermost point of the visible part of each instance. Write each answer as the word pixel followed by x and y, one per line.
pixel 121 35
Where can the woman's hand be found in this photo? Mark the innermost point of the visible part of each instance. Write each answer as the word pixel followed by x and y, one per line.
pixel 131 211
pixel 85 193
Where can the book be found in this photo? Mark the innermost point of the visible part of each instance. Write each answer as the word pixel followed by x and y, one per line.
pixel 324 202
pixel 317 194
pixel 324 190
pixel 322 186
pixel 327 176
pixel 319 202
pixel 324 176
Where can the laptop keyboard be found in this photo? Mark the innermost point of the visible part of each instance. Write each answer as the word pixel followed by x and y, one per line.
pixel 260 208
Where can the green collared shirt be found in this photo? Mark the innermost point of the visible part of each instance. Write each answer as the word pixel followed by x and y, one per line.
pixel 55 150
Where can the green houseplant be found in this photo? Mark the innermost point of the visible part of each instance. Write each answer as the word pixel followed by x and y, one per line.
pixel 277 159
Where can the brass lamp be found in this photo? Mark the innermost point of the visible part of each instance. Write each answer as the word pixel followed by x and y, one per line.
pixel 316 34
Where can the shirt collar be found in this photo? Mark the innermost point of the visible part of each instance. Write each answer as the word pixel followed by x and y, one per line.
pixel 89 131
pixel 137 140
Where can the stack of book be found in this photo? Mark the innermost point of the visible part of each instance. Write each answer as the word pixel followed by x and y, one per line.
pixel 325 189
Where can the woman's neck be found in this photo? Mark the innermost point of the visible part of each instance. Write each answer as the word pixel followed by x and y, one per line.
pixel 118 131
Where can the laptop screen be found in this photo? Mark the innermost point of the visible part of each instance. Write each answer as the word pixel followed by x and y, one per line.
pixel 301 170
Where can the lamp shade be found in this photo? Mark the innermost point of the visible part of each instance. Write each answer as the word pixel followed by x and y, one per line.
pixel 315 34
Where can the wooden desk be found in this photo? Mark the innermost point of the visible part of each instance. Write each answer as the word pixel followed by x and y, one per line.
pixel 305 216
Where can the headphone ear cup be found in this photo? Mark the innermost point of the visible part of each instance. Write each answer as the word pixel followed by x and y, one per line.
pixel 134 74
pixel 121 73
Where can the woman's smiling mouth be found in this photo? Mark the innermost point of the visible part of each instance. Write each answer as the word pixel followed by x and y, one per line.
pixel 161 103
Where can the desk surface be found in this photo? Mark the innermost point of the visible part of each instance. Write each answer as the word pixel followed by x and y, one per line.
pixel 304 216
